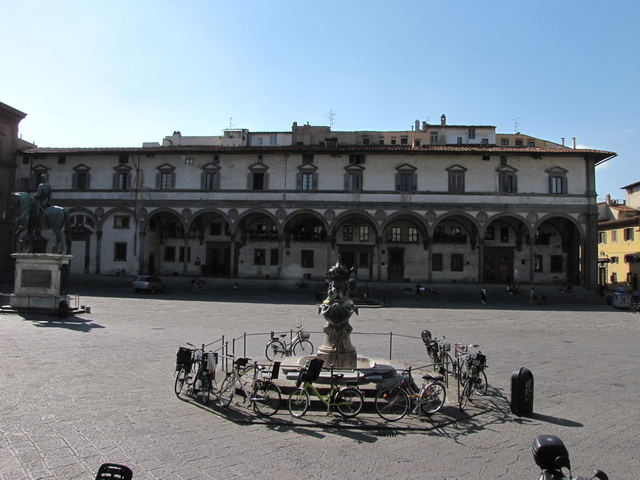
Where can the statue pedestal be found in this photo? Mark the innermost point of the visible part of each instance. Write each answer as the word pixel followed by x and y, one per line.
pixel 40 281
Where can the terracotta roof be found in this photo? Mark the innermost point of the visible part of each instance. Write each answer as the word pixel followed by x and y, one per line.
pixel 406 149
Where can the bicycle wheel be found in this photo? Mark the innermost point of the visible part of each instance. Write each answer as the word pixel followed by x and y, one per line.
pixel 480 384
pixel 392 403
pixel 275 349
pixel 267 398
pixel 466 393
pixel 180 380
pixel 299 402
pixel 193 372
pixel 249 374
pixel 432 397
pixel 305 347
pixel 205 389
pixel 227 390
pixel 349 401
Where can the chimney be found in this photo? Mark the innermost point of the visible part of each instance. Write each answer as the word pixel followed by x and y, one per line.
pixel 417 125
pixel 443 120
pixel 573 142
pixel 563 141
pixel 607 199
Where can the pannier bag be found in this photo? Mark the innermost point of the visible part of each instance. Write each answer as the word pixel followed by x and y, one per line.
pixel 183 357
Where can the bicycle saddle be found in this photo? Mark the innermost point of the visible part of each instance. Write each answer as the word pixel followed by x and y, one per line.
pixel 338 375
pixel 437 378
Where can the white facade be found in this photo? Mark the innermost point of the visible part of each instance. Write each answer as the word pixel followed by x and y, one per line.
pixel 447 211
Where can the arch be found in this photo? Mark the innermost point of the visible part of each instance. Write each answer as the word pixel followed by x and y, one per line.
pixel 114 211
pixel 358 215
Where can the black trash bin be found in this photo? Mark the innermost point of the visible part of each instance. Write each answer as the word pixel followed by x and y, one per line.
pixel 522 392
pixel 63 309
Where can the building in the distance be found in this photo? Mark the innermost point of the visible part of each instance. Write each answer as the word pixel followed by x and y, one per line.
pixel 436 203
pixel 619 240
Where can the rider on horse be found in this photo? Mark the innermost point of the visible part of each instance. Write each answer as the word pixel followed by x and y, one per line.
pixel 42 196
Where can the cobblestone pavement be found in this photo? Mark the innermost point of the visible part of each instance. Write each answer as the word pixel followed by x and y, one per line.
pixel 98 387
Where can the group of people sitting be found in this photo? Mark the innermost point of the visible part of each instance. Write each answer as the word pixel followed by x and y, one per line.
pixel 513 289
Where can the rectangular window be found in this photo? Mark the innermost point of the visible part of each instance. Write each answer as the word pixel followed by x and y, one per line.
pixel 120 252
pixel 123 159
pixel 434 137
pixel 436 262
pixel 182 255
pixel 356 159
pixel 275 256
pixel 537 263
pixel 25 160
pixel 62 159
pixel 365 141
pixel 81 181
pixel 456 182
pixel 355 182
pixel 307 181
pixel 258 181
pixel 406 182
pixel 122 180
pixel 169 254
pixel 404 141
pixel 504 234
pixel 456 231
pixel 306 258
pixel 614 236
pixel 215 229
pixel 259 256
pixel 531 144
pixel 347 233
pixel 273 140
pixel 471 133
pixel 556 264
pixel 24 184
pixel 457 262
pixel 556 184
pixel 307 158
pixel 504 141
pixel 210 180
pixel 364 233
pixel 363 260
pixel 413 235
pixel 628 234
pixel 507 184
pixel 602 237
pixel 188 161
pixel 120 222
pixel 518 143
pixel 165 181
pixel 490 233
pixel 396 234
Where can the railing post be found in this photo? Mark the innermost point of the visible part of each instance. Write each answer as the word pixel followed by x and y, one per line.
pixel 390 344
pixel 245 344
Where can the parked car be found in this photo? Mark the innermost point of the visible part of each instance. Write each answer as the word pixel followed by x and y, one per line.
pixel 150 283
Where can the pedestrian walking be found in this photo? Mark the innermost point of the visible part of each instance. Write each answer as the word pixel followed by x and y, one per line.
pixel 483 295
pixel 532 295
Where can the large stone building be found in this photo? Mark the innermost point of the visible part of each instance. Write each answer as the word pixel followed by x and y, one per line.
pixel 436 203
pixel 10 143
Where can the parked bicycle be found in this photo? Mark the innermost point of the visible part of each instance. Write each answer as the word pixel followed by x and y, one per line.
pixel 348 399
pixel 278 347
pixel 473 377
pixel 393 403
pixel 262 393
pixel 196 284
pixel 200 377
pixel 438 350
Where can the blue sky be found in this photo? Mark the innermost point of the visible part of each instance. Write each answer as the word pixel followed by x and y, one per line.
pixel 119 73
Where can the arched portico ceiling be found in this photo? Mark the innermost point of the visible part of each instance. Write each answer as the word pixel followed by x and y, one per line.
pixel 305 225
pixel 298 215
pixel 203 217
pixel 515 221
pixel 163 215
pixel 406 216
pixel 86 212
pixel 250 216
pixel 562 222
pixel 467 222
pixel 108 215
pixel 356 216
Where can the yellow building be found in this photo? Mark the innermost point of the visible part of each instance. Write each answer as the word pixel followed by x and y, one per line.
pixel 619 242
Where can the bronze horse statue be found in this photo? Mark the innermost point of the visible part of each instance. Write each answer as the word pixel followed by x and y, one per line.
pixel 53 218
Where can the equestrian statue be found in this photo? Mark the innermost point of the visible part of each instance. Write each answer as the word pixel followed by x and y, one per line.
pixel 36 214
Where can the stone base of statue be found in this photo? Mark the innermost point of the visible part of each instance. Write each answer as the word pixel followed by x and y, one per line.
pixel 337 349
pixel 41 281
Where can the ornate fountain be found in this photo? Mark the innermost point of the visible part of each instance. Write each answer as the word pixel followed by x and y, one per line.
pixel 337 309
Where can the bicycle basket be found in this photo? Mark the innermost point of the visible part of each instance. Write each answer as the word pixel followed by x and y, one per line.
pixel 311 372
pixel 304 336
pixel 446 347
pixel 479 360
pixel 183 357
